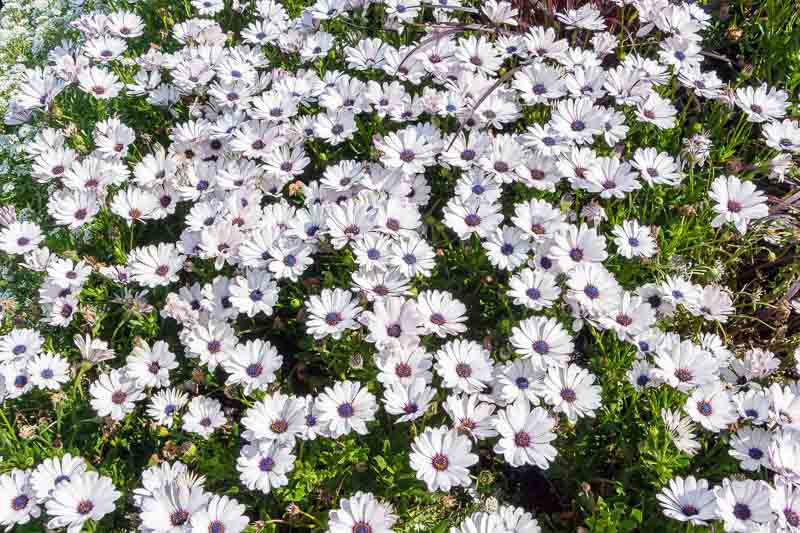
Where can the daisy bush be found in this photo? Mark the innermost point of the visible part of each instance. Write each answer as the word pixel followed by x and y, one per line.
pixel 352 266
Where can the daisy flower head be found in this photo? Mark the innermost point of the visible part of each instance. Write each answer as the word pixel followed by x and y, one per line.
pixel 412 256
pixel 593 287
pixel 445 314
pixel 409 150
pixel 88 496
pixel 114 394
pixel 203 416
pixel 172 506
pixel 48 371
pixel 743 505
pixel 681 431
pixel 393 320
pixel 264 465
pixel 222 515
pixel 507 247
pixel 711 407
pixel 253 365
pixel 520 379
pixel 52 472
pixel 785 503
pixel 464 365
pixel 155 265
pixel 19 500
pixel 346 406
pixel 762 103
pixel 408 401
pixel 688 500
pixel 578 245
pixel 20 343
pixel 737 202
pixel 578 119
pixel 331 313
pixel 472 216
pixel 749 447
pixel 276 417
pixel 400 364
pixel 150 366
pixel 20 237
pixel 535 289
pixel 634 240
pixel 361 513
pixel 471 416
pixel 165 405
pixel 572 391
pixel 441 458
pixel 525 435
pixel 543 340
pixel 481 522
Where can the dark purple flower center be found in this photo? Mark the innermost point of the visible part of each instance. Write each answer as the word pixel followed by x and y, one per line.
pixel 179 517
pixel 705 408
pixel 20 502
pixel 541 347
pixel 522 439
pixel 85 507
pixel 332 318
pixel 568 395
pixel 402 370
pixel 741 511
pixel 254 370
pixel 345 410
pixel 119 397
pixel 279 426
pixel 463 370
pixel 266 464
pixel 440 462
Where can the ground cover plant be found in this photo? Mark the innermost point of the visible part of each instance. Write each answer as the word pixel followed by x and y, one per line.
pixel 362 267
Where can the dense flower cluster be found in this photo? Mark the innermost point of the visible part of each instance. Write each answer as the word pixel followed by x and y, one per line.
pixel 229 173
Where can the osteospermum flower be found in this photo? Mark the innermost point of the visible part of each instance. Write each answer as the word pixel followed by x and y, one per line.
pixel 332 313
pixel 535 289
pixel 737 202
pixel 222 515
pixel 525 435
pixel 203 416
pixel 165 405
pixel 408 401
pixel 634 240
pixel 263 465
pixel 19 502
pixel 115 395
pixel 571 391
pixel 87 496
pixel 471 416
pixel 52 472
pixel 441 458
pixel 253 365
pixel 445 314
pixel 464 365
pixel 48 371
pixel 172 506
pixel 346 406
pixel 688 500
pixel 711 407
pixel 544 340
pixel 150 366
pixel 743 505
pixel 155 265
pixel 276 417
pixel 481 523
pixel 361 513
